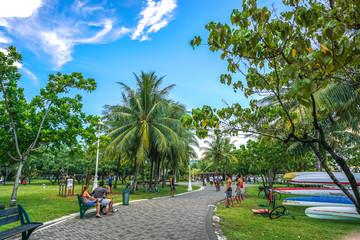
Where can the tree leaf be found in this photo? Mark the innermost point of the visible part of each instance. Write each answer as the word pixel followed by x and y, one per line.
pixel 324 49
pixel 204 123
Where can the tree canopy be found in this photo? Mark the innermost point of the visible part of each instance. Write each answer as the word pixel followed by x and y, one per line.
pixel 295 56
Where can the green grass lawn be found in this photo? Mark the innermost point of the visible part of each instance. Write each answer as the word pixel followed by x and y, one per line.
pixel 241 223
pixel 45 204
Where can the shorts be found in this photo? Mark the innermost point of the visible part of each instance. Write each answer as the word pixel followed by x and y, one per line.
pixel 90 203
pixel 238 192
pixel 173 188
pixel 1 182
pixel 211 182
pixel 228 194
pixel 110 185
pixel 105 202
pixel 69 187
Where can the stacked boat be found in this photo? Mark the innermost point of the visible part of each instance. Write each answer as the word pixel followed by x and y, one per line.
pixel 327 202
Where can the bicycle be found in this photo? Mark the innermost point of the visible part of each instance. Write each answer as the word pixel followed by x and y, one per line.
pixel 154 189
pixel 265 191
pixel 276 212
pixel 217 187
pixel 280 211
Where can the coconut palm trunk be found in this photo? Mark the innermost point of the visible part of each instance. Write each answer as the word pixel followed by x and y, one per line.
pixel 163 173
pixel 137 167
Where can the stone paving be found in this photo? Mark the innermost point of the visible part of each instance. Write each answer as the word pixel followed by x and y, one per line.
pixel 180 217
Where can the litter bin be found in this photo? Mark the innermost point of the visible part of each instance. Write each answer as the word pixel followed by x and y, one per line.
pixel 126 194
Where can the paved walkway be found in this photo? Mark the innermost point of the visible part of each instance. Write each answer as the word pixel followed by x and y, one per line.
pixel 180 217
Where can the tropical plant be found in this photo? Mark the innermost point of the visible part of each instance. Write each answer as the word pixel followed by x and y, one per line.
pixel 302 50
pixel 146 125
pixel 219 149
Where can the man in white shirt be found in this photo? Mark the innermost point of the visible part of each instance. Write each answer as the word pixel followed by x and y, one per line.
pixel 211 180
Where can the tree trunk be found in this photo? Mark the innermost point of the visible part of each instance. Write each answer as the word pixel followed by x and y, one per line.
pixel 336 181
pixel 143 173
pixel 137 166
pixel 156 171
pixel 117 172
pixel 317 159
pixel 167 169
pixel 151 171
pixel 16 184
pixel 225 168
pixel 270 180
pixel 217 164
pixel 163 173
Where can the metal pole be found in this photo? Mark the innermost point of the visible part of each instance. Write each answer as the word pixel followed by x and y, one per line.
pixel 189 187
pixel 95 183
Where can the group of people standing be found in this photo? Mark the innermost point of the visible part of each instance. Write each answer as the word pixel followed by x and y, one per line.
pixel 239 191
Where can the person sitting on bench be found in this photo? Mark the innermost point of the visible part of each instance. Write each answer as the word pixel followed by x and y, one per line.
pixel 90 201
pixel 101 192
pixel 129 184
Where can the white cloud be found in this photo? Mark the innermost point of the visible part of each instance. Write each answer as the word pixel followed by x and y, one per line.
pixel 33 77
pixel 42 28
pixel 18 8
pixel 108 30
pixel 58 46
pixel 155 16
pixel 57 32
pixel 4 39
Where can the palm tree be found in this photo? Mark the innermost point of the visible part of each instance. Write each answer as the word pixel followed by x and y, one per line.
pixel 141 125
pixel 220 148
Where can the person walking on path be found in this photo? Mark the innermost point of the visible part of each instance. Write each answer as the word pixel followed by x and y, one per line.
pixel 217 182
pixel 228 191
pixel 172 185
pixel 1 181
pixel 238 191
pixel 211 181
pixel 204 182
pixel 109 180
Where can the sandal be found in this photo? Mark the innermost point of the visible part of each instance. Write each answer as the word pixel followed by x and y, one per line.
pixel 98 216
pixel 110 214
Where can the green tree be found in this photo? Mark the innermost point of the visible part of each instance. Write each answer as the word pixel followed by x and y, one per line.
pixel 143 126
pixel 219 149
pixel 51 119
pixel 300 52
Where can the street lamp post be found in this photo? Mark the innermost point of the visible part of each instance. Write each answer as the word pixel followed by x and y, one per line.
pixel 95 183
pixel 189 187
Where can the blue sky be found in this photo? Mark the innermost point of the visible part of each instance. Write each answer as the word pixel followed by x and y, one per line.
pixel 110 40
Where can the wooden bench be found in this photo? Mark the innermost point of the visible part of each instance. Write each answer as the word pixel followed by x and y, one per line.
pixel 84 208
pixel 17 214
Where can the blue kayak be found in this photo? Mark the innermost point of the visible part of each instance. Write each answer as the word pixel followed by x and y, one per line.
pixel 318 201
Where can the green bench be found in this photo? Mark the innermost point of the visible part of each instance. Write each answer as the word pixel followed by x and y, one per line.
pixel 84 208
pixel 17 214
